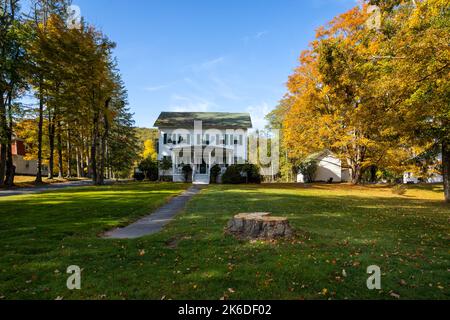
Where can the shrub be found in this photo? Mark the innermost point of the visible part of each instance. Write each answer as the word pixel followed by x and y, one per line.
pixel 166 178
pixel 150 169
pixel 251 173
pixel 242 173
pixel 139 176
pixel 232 176
pixel 308 169
pixel 165 164
pixel 215 172
pixel 399 189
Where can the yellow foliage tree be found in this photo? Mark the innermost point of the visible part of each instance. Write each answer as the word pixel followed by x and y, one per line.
pixel 149 150
pixel 334 105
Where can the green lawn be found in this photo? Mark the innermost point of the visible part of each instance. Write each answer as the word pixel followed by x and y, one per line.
pixel 339 228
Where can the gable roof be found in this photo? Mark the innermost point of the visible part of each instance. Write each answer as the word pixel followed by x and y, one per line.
pixel 219 120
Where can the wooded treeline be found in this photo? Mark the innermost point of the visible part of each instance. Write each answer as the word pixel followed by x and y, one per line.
pixel 80 124
pixel 374 88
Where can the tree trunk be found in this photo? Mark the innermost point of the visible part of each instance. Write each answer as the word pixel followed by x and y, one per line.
pixel 69 154
pixel 40 133
pixel 10 169
pixel 356 172
pixel 51 139
pixel 78 157
pixel 60 155
pixel 88 167
pixel 104 138
pixel 82 174
pixel 2 163
pixel 259 226
pixel 446 168
pixel 94 148
pixel 2 140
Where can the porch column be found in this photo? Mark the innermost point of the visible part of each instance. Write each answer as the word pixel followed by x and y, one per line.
pixel 173 163
pixel 209 166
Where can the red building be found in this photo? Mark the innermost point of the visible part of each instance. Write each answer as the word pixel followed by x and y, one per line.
pixel 18 148
pixel 23 167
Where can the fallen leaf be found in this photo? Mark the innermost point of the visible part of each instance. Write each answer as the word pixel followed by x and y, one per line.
pixel 59 298
pixel 231 290
pixel 395 295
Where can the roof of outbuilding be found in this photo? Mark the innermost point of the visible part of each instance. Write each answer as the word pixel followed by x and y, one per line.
pixel 220 120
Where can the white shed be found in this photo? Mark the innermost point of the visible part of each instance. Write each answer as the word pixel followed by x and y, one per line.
pixel 328 167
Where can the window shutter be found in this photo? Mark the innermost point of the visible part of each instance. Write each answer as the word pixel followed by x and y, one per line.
pixel 165 138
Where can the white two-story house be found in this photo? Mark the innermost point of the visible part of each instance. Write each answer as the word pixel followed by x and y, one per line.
pixel 202 140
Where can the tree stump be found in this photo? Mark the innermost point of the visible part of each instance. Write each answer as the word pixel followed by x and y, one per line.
pixel 259 225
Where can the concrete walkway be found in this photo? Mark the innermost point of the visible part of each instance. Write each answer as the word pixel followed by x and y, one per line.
pixel 51 187
pixel 157 220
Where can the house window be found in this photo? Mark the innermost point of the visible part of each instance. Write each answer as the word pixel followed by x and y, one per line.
pixel 241 140
pixel 165 138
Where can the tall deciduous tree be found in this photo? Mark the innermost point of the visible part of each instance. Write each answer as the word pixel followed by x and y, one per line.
pixel 414 47
pixel 12 84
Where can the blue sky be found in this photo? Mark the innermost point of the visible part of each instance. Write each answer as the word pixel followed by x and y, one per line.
pixel 208 55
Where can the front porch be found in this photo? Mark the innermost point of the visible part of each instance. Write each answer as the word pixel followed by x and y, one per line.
pixel 201 160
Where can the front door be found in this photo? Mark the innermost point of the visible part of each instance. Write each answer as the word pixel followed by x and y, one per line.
pixel 202 168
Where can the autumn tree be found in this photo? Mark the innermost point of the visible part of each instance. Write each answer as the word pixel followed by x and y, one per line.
pixel 414 48
pixel 12 84
pixel 334 106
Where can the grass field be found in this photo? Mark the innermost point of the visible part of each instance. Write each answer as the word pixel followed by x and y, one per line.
pixel 341 230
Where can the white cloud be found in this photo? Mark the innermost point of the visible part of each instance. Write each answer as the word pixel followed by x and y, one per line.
pixel 258 113
pixel 213 86
pixel 212 63
pixel 207 65
pixel 190 104
pixel 257 36
pixel 157 88
pixel 261 34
